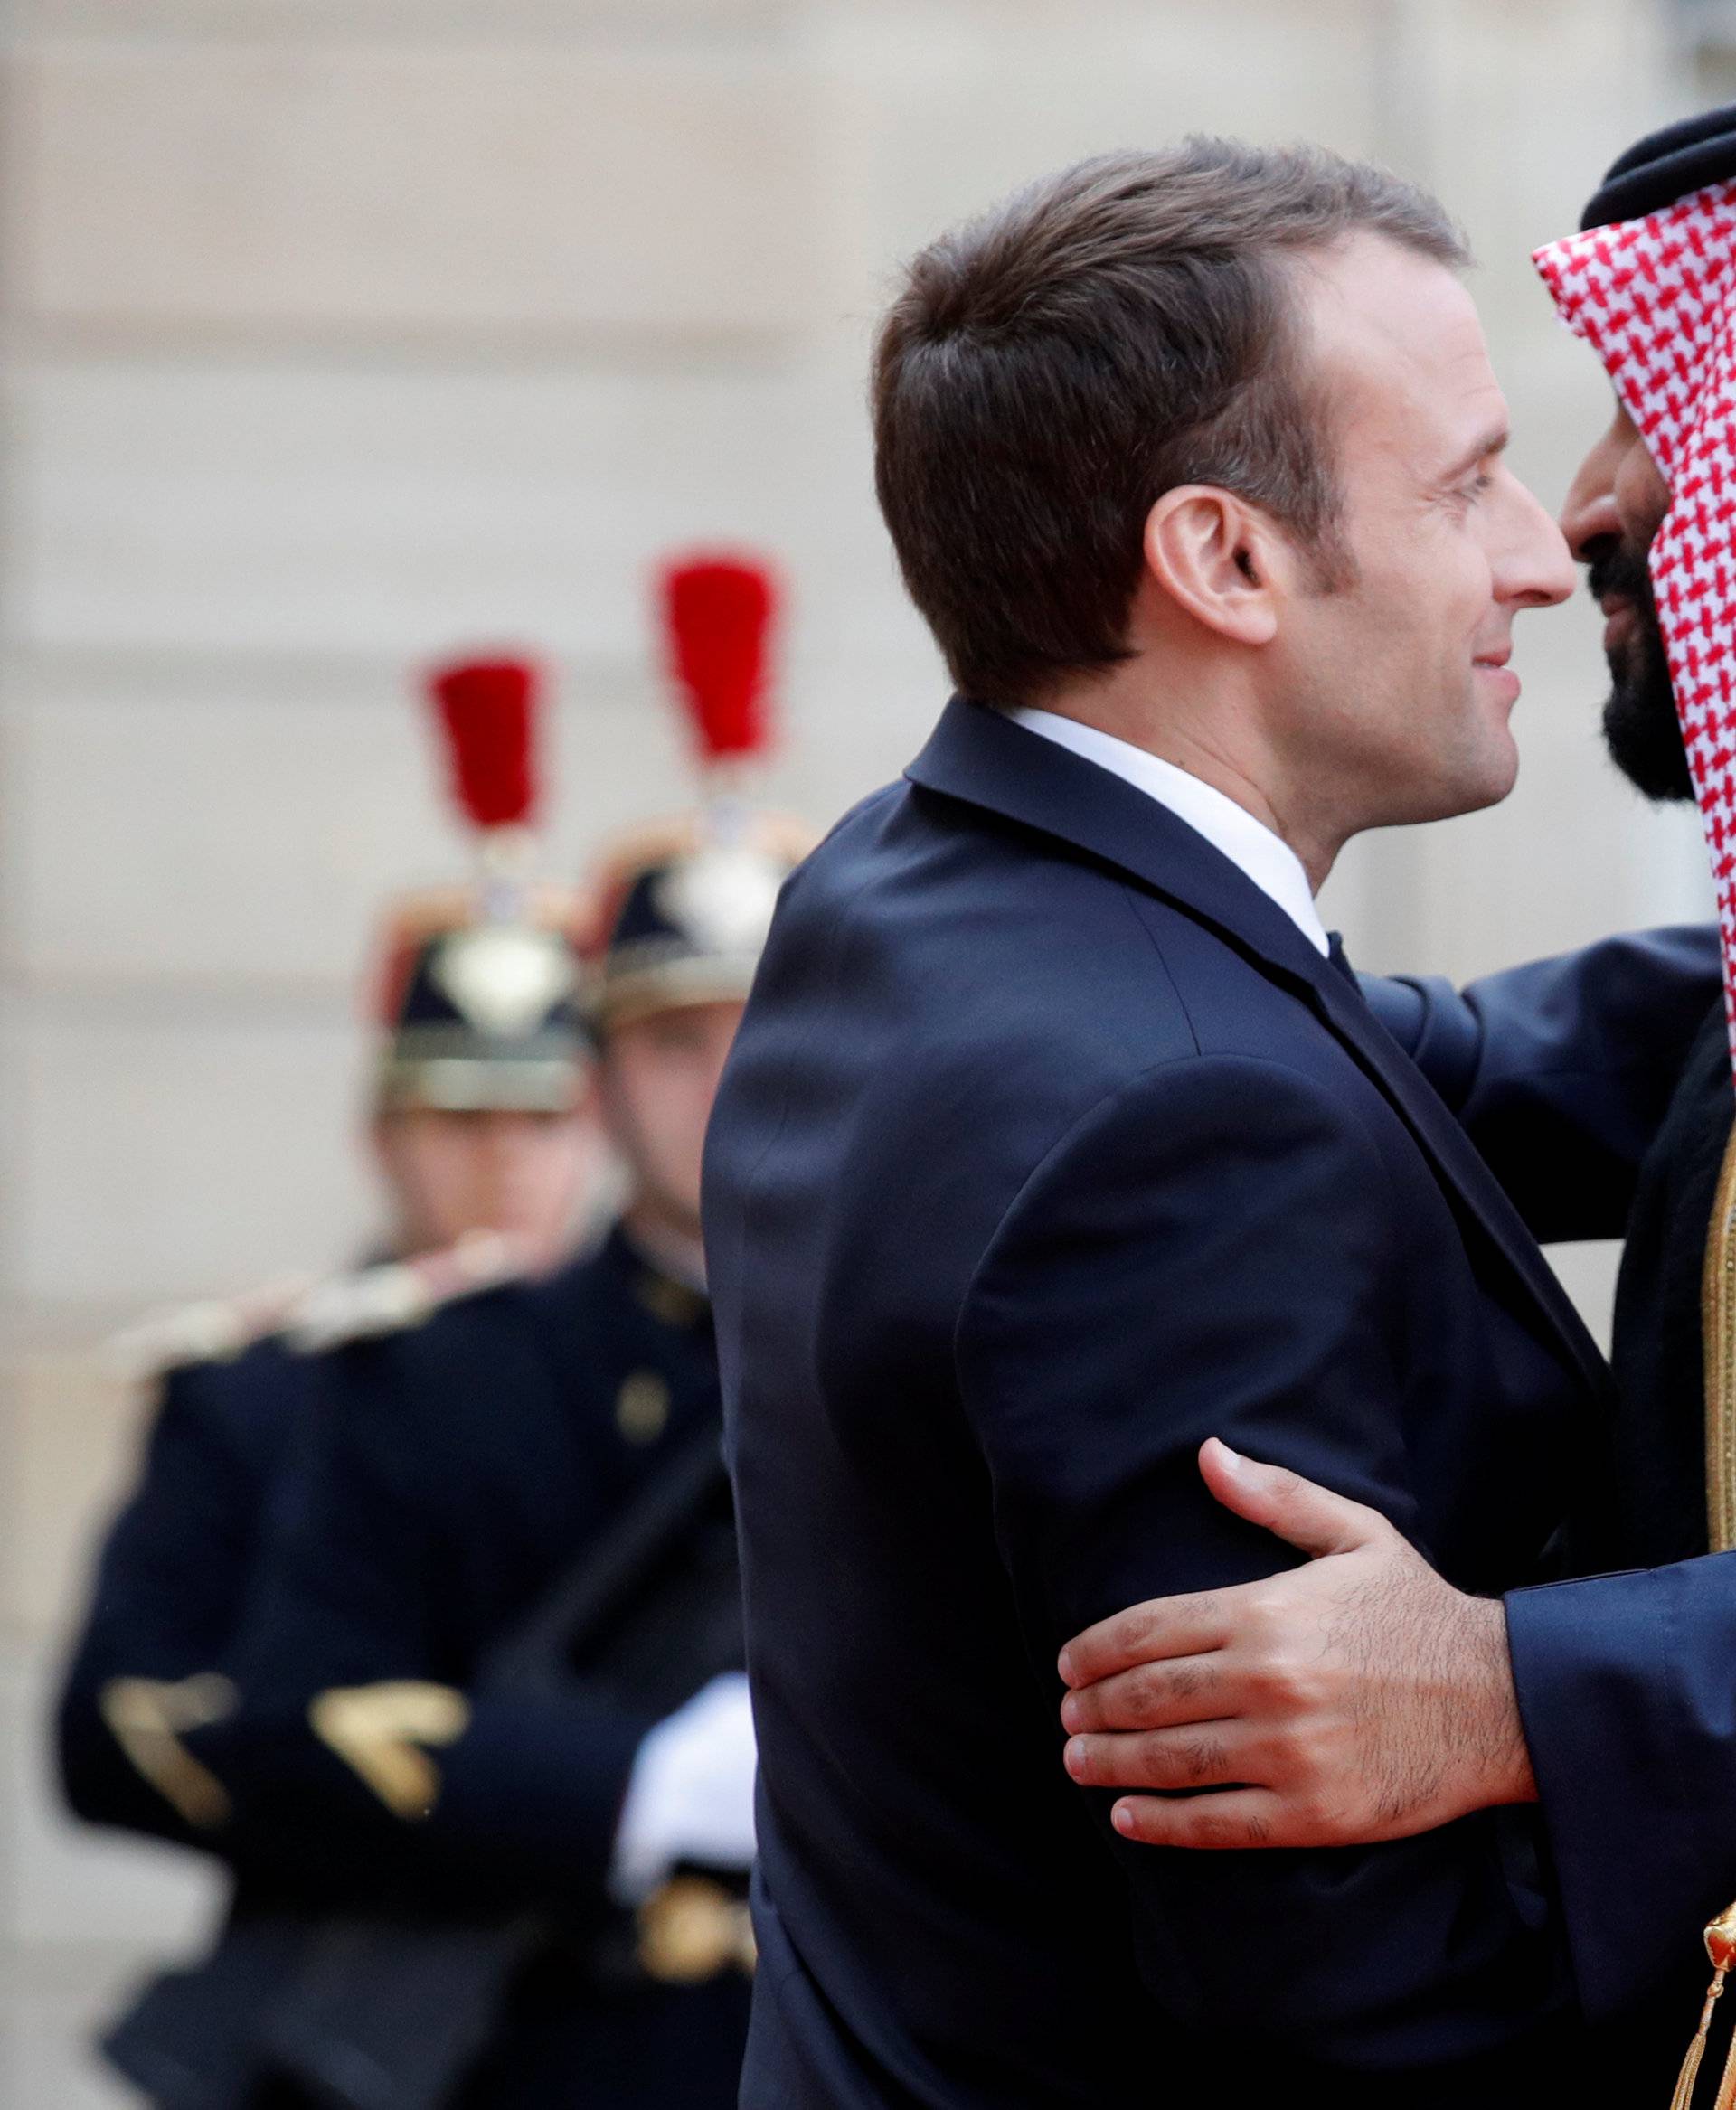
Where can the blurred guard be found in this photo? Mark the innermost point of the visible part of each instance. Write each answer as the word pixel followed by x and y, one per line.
pixel 489 1693
pixel 481 1112
pixel 485 1135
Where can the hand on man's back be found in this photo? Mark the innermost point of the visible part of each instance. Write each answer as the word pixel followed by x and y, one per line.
pixel 1356 1698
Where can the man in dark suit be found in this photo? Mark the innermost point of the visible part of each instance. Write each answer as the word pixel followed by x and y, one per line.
pixel 1058 1139
pixel 1629 1664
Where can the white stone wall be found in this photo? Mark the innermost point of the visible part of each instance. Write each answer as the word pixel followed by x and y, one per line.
pixel 336 334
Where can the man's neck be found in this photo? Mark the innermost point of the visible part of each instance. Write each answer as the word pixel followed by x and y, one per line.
pixel 1195 742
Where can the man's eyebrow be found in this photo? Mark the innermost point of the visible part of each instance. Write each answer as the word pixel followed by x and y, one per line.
pixel 1494 441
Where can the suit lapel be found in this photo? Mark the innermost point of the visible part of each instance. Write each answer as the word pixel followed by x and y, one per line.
pixel 1458 1164
pixel 983 758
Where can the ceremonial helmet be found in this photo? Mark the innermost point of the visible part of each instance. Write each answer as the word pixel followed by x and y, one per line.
pixel 681 907
pixel 477 991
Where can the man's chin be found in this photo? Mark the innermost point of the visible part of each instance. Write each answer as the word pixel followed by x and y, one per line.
pixel 1496 785
pixel 1491 774
pixel 1477 784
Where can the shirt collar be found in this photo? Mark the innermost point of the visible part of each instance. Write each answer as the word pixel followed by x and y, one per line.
pixel 1252 847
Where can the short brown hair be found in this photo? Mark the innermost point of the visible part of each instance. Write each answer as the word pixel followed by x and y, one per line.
pixel 1051 369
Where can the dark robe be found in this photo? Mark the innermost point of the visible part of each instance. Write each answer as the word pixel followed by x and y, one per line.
pixel 1658 1350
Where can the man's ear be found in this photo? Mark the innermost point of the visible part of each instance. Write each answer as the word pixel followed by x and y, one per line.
pixel 1220 559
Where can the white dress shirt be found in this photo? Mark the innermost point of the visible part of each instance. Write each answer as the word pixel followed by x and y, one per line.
pixel 1249 845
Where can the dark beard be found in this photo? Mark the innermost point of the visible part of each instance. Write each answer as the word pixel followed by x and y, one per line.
pixel 1640 728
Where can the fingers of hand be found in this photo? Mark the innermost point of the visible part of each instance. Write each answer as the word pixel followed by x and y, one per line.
pixel 1206 1754
pixel 1257 1815
pixel 1244 1817
pixel 1152 1696
pixel 1273 1661
pixel 1295 1509
pixel 1154 1632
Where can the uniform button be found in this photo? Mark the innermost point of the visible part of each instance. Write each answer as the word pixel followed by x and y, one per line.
pixel 642 1408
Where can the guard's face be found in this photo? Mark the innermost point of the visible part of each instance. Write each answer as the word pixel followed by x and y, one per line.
pixel 1615 506
pixel 658 1075
pixel 1398 672
pixel 528 1176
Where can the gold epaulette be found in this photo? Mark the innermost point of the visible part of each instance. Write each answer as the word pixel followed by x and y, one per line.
pixel 218 1330
pixel 400 1294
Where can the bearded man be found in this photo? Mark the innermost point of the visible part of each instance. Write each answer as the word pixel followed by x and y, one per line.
pixel 1623 1678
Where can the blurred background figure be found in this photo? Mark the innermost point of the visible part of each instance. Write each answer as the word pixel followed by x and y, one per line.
pixel 333 332
pixel 482 1124
pixel 483 1114
pixel 478 1745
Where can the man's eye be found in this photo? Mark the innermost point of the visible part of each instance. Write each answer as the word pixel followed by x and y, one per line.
pixel 1479 485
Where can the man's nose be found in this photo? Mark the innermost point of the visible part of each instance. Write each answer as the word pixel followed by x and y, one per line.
pixel 1537 570
pixel 1588 516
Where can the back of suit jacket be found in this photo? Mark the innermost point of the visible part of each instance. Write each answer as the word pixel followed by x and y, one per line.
pixel 1049 1147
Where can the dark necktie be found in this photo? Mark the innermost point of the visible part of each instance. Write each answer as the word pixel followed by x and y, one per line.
pixel 1340 959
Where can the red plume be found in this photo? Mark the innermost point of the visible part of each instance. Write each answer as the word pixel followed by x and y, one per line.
pixel 487 710
pixel 718 611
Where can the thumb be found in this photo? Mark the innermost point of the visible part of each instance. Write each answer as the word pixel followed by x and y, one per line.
pixel 1282 1502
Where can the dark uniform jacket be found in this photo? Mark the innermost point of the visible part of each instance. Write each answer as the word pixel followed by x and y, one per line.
pixel 454 1474
pixel 1048 1148
pixel 173 1570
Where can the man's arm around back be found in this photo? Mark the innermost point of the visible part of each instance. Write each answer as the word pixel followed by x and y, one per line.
pixel 1214 1250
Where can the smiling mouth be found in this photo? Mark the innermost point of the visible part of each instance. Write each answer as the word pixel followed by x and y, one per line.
pixel 1493 667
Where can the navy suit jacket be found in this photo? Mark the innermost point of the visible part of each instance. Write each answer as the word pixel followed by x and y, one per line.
pixel 1048 1148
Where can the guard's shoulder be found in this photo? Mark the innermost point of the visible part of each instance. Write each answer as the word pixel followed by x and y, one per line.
pixel 217 1330
pixel 398 1295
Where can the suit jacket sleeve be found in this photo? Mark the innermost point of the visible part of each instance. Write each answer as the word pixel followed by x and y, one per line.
pixel 1562 1070
pixel 1211 1252
pixel 375 1580
pixel 169 1579
pixel 1630 1708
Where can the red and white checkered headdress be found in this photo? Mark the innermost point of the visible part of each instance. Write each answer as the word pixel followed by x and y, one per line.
pixel 1656 299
